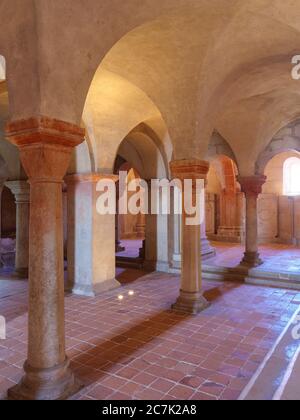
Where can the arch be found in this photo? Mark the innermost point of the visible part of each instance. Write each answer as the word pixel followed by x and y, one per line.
pixel 218 146
pixel 83 158
pixel 287 139
pixel 109 117
pixel 225 212
pixel 143 154
pixel 291 176
pixel 139 151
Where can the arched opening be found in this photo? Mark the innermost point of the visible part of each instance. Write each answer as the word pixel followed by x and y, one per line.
pixel 291 176
pixel 8 230
pixel 141 239
pixel 279 203
pixel 130 228
pixel 224 219
pixel 11 173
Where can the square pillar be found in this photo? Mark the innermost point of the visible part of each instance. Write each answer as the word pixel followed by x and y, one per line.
pixel 91 238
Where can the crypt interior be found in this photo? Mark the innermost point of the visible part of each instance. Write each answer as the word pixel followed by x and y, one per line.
pixel 143 306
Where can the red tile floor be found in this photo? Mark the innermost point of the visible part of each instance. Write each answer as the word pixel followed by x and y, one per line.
pixel 138 349
pixel 276 257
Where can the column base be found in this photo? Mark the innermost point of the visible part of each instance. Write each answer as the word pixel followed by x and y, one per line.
pixel 92 290
pixel 56 383
pixel 190 303
pixel 251 259
pixel 207 251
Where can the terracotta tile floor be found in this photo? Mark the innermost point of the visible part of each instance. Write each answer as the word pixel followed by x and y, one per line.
pixel 139 349
pixel 276 257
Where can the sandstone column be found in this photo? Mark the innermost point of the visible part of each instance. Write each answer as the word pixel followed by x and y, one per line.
pixel 207 251
pixel 45 148
pixel 176 256
pixel 190 299
pixel 2 183
pixel 252 187
pixel 119 247
pixel 21 191
pixel 91 238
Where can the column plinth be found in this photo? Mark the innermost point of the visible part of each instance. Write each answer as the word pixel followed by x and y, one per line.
pixel 45 149
pixel 251 187
pixel 21 191
pixel 190 298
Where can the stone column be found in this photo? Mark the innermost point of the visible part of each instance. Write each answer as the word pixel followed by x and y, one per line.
pixel 65 218
pixel 251 187
pixel 176 256
pixel 119 246
pixel 45 148
pixel 21 191
pixel 207 251
pixel 150 252
pixel 190 299
pixel 141 226
pixel 91 238
pixel 2 183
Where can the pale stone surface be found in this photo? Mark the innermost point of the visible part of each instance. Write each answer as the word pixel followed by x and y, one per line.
pixel 91 238
pixel 286 219
pixel 267 218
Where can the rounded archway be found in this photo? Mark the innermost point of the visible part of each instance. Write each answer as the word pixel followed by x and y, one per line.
pixel 224 218
pixel 141 157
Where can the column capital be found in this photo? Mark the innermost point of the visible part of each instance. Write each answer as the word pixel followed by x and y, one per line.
pixel 20 189
pixel 45 146
pixel 92 178
pixel 252 185
pixel 189 169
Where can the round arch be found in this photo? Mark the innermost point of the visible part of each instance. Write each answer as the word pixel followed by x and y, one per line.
pixel 141 152
pixel 286 140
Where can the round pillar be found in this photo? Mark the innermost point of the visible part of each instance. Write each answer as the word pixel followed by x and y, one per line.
pixel 190 299
pixel 21 191
pixel 251 187
pixel 45 149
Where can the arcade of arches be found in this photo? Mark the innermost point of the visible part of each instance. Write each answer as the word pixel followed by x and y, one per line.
pixel 146 306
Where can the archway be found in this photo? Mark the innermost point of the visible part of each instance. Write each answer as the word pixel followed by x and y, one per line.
pixel 130 228
pixel 279 221
pixel 140 157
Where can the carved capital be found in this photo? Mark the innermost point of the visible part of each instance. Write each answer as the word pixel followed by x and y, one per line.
pixel 45 146
pixel 189 169
pixel 252 185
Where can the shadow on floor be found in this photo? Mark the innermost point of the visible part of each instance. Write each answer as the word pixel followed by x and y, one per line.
pixel 215 293
pixel 129 275
pixel 106 356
